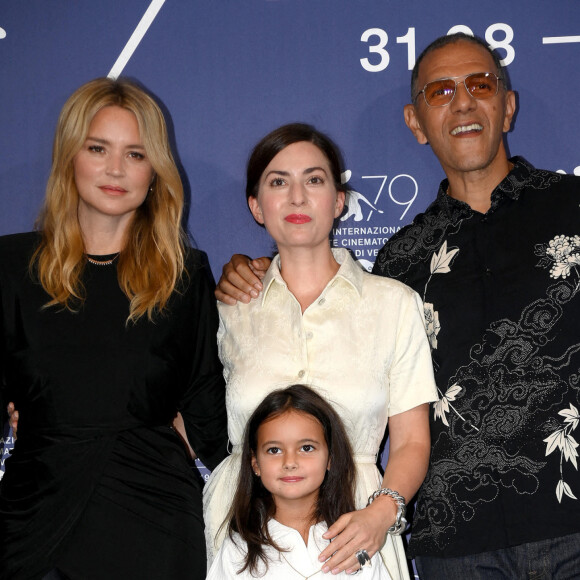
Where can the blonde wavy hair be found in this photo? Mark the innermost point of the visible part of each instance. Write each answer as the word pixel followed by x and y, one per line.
pixel 152 260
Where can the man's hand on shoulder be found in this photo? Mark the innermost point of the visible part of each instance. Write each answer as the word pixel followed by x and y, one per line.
pixel 241 279
pixel 13 414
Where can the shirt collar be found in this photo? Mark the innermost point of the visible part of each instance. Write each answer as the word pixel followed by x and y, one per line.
pixel 350 272
pixel 510 187
pixel 281 532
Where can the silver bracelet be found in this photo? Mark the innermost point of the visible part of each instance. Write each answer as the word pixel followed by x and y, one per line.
pixel 400 522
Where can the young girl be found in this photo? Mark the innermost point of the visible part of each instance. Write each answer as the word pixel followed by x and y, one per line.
pixel 297 476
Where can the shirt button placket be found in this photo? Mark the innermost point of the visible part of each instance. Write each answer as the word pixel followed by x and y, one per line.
pixel 303 334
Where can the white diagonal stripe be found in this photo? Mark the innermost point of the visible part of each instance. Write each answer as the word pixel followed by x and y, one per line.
pixel 136 38
pixel 559 39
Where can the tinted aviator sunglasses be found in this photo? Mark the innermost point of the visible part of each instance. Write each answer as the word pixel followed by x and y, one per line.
pixel 442 91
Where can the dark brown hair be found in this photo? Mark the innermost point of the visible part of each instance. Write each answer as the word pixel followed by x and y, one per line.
pixel 279 139
pixel 253 505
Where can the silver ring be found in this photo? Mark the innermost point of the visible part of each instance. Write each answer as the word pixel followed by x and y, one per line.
pixel 363 558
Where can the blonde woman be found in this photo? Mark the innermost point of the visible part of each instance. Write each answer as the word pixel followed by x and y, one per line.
pixel 107 330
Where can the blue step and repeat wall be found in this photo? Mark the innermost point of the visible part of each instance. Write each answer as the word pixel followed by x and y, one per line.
pixel 229 71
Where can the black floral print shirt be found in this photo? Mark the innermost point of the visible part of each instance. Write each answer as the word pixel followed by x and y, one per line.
pixel 501 295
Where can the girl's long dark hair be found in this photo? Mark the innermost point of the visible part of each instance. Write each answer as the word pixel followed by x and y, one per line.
pixel 253 505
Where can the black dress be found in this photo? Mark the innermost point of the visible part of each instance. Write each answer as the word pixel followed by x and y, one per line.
pixel 99 485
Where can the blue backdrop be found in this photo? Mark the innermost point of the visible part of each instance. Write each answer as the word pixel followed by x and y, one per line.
pixel 230 71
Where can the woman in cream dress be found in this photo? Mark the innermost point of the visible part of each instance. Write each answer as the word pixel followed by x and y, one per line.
pixel 357 339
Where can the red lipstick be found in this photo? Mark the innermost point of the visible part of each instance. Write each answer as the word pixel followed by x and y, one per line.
pixel 298 218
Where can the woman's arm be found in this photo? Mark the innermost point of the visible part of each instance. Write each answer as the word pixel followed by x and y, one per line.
pixel 202 405
pixel 179 427
pixel 409 448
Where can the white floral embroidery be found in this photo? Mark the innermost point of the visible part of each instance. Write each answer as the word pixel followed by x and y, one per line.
pixel 441 260
pixel 440 264
pixel 442 405
pixel 432 322
pixel 564 252
pixel 562 439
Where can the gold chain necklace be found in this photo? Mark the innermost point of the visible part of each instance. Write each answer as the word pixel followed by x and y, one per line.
pixel 102 262
pixel 299 573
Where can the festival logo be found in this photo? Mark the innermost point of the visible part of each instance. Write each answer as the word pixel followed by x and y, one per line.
pixel 6 446
pixel 370 218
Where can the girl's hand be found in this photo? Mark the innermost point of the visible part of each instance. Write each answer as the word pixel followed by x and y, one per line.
pixel 364 529
pixel 13 420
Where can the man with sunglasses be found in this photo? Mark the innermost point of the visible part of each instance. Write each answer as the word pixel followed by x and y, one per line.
pixel 496 259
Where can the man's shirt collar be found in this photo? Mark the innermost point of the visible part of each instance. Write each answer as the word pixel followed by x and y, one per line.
pixel 510 187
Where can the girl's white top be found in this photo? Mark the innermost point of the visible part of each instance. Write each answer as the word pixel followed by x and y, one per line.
pixel 303 558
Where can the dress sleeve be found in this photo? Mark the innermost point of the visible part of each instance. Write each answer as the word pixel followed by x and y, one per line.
pixel 411 376
pixel 203 402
